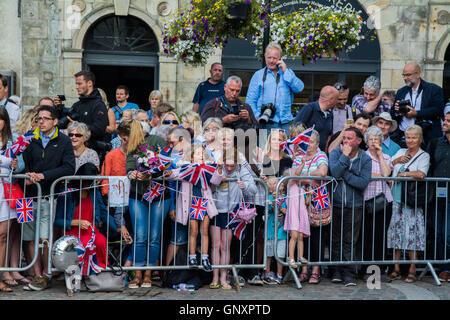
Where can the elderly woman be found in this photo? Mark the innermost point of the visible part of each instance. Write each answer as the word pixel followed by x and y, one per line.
pixel 313 163
pixel 407 228
pixel 79 134
pixel 154 99
pixel 377 196
pixel 211 129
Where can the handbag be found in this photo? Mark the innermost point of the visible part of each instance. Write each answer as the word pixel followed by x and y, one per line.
pixel 12 192
pixel 376 203
pixel 411 194
pixel 106 281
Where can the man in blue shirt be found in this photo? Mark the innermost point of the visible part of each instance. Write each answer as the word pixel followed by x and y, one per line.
pixel 209 89
pixel 319 114
pixel 387 125
pixel 122 95
pixel 274 84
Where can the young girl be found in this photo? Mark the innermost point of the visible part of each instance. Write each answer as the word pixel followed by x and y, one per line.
pixel 296 223
pixel 187 191
pixel 227 195
pixel 280 246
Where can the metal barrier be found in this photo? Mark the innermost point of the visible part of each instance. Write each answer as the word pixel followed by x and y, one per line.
pixel 364 230
pixel 129 252
pixel 13 242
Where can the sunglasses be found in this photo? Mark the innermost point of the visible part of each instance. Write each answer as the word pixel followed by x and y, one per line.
pixel 171 122
pixel 341 87
pixel 78 135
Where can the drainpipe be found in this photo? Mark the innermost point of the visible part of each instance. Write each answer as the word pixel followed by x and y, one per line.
pixel 425 58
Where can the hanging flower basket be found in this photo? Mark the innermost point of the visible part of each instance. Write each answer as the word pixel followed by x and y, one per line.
pixel 313 33
pixel 192 36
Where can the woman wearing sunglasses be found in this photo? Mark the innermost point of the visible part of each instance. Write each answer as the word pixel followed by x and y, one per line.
pixel 171 119
pixel 79 133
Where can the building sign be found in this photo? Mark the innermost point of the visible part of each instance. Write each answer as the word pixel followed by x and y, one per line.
pixel 288 6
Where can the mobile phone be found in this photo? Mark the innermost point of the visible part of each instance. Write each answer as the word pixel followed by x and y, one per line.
pixel 62 97
pixel 350 121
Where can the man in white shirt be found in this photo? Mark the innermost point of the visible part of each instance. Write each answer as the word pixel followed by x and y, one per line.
pixel 11 107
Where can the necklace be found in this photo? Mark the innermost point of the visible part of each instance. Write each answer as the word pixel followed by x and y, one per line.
pixel 80 154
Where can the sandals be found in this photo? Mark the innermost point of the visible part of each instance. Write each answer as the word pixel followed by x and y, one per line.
pixel 4 287
pixel 411 278
pixel 147 283
pixel 302 260
pixel 314 279
pixel 291 263
pixel 214 285
pixel 156 276
pixel 135 283
pixel 395 276
pixel 226 286
pixel 24 281
pixel 11 282
pixel 304 276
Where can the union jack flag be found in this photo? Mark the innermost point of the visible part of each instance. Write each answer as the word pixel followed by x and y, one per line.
pixel 237 224
pixel 24 209
pixel 198 208
pixel 198 174
pixel 154 191
pixel 245 205
pixel 19 146
pixel 302 140
pixel 320 198
pixel 166 157
pixel 87 257
pixel 280 201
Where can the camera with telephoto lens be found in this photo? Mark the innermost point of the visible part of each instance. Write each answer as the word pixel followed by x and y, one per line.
pixel 267 111
pixel 402 106
pixel 64 121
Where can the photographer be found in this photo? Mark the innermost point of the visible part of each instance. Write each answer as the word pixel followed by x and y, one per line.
pixel 90 110
pixel 418 102
pixel 233 113
pixel 271 91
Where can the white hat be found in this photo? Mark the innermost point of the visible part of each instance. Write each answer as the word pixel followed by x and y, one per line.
pixel 386 116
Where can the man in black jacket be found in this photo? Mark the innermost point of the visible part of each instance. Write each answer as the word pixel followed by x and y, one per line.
pixel 90 109
pixel 48 157
pixel 425 107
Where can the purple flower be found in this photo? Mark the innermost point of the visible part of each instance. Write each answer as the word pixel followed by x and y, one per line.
pixel 166 51
pixel 310 37
pixel 248 1
pixel 217 39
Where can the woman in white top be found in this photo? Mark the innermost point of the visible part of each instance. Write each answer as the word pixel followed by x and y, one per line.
pixel 407 228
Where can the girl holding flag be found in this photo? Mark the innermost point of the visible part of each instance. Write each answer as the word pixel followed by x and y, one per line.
pixel 228 197
pixel 197 204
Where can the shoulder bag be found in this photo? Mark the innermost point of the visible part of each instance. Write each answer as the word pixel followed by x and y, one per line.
pixel 410 194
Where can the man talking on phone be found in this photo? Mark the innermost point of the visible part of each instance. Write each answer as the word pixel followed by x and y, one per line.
pixel 271 91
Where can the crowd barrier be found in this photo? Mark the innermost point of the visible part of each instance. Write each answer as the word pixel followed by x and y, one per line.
pixel 14 231
pixel 117 248
pixel 368 231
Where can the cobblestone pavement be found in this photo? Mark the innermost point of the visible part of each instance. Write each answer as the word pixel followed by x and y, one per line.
pixel 426 289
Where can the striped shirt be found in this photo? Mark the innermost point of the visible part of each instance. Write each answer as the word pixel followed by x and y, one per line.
pixel 377 187
pixel 313 164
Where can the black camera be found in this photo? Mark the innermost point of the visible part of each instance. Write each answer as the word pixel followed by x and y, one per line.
pixel 64 121
pixel 267 111
pixel 402 106
pixel 62 97
pixel 100 146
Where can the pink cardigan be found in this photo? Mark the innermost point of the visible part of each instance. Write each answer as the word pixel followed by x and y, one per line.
pixel 184 198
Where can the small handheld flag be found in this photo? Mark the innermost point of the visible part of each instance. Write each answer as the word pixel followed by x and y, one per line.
pixel 302 141
pixel 198 208
pixel 320 198
pixel 24 209
pixel 154 191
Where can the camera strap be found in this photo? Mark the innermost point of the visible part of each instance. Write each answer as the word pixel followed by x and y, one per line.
pixel 276 87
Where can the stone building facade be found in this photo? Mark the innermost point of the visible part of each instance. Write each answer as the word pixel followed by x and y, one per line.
pixel 43 43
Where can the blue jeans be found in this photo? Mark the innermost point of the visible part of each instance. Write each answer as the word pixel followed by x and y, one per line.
pixel 443 243
pixel 147 230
